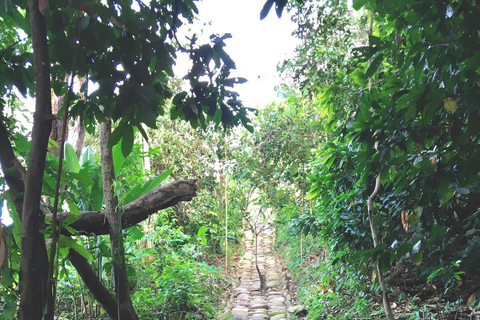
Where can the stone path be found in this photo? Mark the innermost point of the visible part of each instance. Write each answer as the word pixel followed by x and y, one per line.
pixel 249 302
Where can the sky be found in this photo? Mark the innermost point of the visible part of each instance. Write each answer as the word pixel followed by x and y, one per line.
pixel 256 46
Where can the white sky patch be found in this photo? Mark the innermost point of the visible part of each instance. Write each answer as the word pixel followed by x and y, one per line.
pixel 256 46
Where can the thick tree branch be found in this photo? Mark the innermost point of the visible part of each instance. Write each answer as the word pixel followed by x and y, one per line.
pixel 167 195
pixel 33 259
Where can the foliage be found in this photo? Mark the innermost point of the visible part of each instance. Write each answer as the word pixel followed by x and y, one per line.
pixel 403 104
pixel 329 289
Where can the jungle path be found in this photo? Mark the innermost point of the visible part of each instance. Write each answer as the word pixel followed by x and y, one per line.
pixel 249 302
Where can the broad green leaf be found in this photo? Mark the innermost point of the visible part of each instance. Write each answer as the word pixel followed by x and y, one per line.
pixel 72 207
pixel 66 242
pixel 399 160
pixel 266 9
pixel 179 97
pixel 411 111
pixel 374 65
pixel 417 258
pixel 116 135
pixel 201 231
pixel 404 248
pixel 134 193
pixel 81 178
pixel 118 158
pixel 96 195
pixel 134 233
pixel 436 231
pixel 87 155
pixel 153 64
pixel 313 193
pixel 127 140
pixel 357 4
pixel 17 223
pixel 71 158
pixel 139 190
pixel 155 182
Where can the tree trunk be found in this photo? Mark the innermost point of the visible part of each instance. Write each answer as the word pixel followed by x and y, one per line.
pixel 77 138
pixel 56 134
pixel 113 216
pixel 33 260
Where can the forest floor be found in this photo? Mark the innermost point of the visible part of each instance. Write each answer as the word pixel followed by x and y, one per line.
pixel 253 299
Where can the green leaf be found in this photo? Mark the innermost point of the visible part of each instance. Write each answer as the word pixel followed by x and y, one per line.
pixel 153 64
pixel 72 207
pixel 374 65
pixel 201 231
pixel 179 97
pixel 280 4
pixel 240 80
pixel 417 258
pixel 411 111
pixel 118 159
pixel 266 9
pixel 66 242
pixel 17 223
pixel 71 158
pixel 155 182
pixel 139 190
pixel 96 194
pixel 404 248
pixel 87 155
pixel 357 4
pixel 70 219
pixel 401 159
pixel 436 231
pixel 116 135
pixel 134 193
pixel 127 140
pixel 81 178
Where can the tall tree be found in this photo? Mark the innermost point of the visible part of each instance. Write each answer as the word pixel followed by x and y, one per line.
pixel 33 264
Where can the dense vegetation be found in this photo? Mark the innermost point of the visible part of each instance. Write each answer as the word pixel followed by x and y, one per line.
pixel 377 138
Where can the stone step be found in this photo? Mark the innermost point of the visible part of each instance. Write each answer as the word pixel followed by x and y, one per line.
pixel 250 303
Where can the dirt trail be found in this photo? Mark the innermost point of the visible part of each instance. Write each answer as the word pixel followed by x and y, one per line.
pixel 249 302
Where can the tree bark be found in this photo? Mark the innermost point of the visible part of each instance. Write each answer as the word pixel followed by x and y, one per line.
pixel 167 195
pixel 33 260
pixel 78 131
pixel 113 215
pixel 56 134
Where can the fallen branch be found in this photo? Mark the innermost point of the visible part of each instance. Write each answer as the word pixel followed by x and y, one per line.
pixel 167 195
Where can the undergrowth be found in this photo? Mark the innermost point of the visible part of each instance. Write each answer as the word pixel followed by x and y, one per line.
pixel 327 287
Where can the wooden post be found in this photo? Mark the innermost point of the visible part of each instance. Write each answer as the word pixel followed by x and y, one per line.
pixel 226 205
